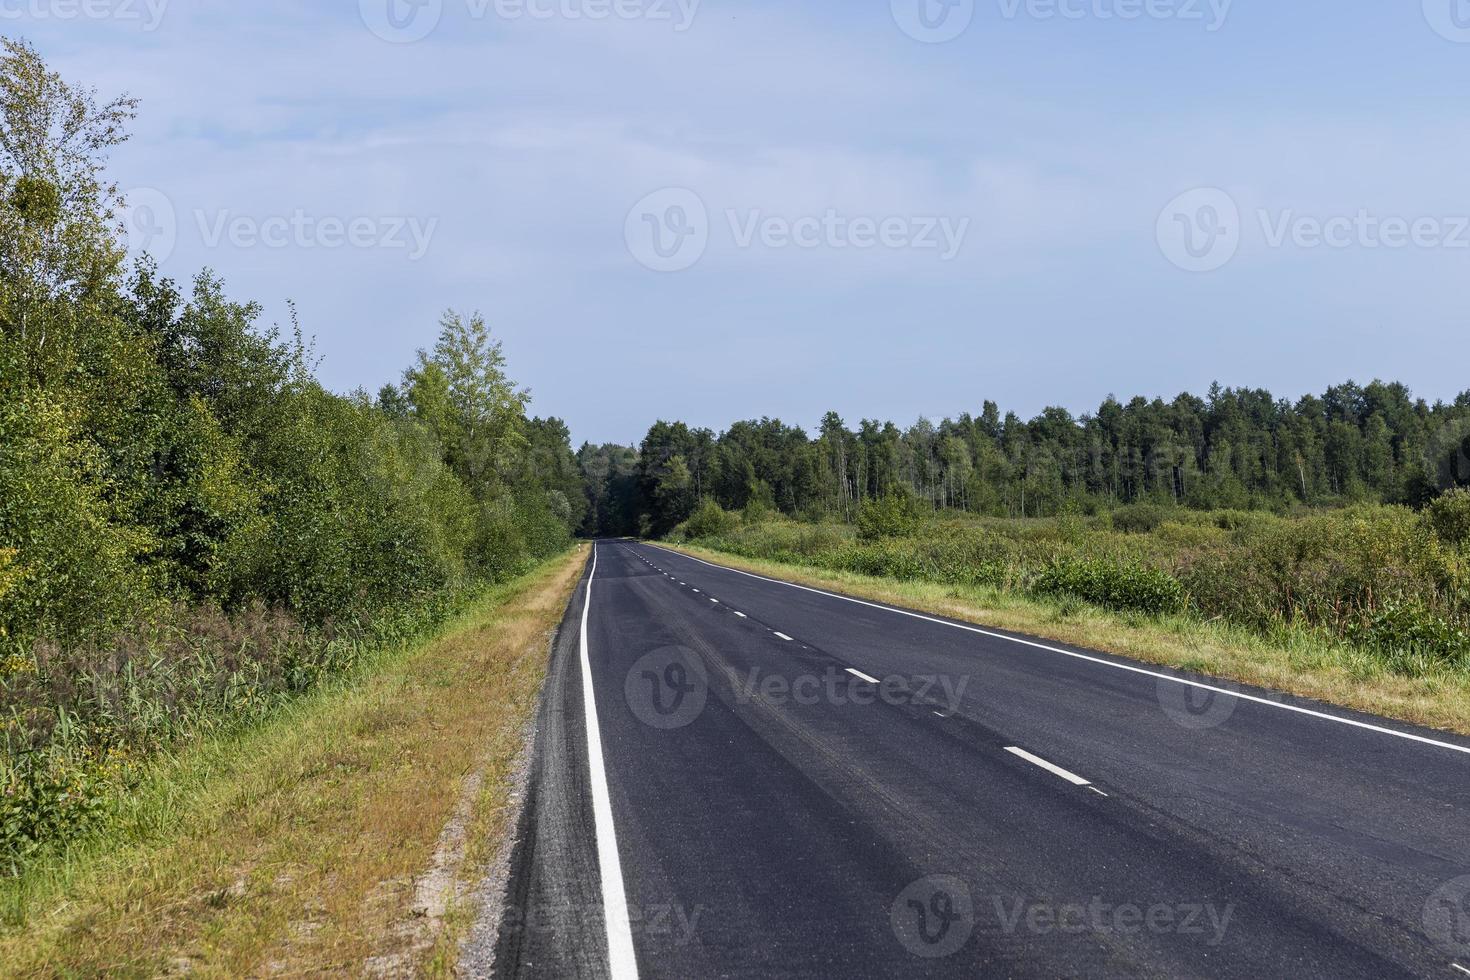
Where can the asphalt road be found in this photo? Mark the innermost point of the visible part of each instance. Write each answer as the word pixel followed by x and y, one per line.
pixel 775 781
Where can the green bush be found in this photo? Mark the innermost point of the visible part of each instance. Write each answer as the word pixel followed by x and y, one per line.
pixel 1122 586
pixel 1139 518
pixel 1449 515
pixel 895 515
pixel 710 520
pixel 85 571
pixel 1409 637
pixel 49 795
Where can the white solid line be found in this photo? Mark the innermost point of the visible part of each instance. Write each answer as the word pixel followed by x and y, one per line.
pixel 742 615
pixel 1097 791
pixel 621 960
pixel 784 637
pixel 862 676
pixel 1037 760
pixel 1098 660
pixel 1460 968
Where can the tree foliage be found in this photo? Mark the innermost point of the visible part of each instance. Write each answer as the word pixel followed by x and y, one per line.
pixel 191 525
pixel 1235 449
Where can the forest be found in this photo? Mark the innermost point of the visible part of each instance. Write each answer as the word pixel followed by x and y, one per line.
pixel 1232 449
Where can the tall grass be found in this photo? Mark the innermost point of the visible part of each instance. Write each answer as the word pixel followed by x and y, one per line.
pixel 81 721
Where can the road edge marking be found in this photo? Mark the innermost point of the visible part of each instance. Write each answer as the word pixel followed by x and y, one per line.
pixel 1055 770
pixel 622 962
pixel 1095 660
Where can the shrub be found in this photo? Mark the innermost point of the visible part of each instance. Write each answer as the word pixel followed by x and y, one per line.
pixel 1449 515
pixel 9 573
pixel 85 571
pixel 1139 518
pixel 710 520
pixel 1177 536
pixel 1128 587
pixel 1240 520
pixel 1326 570
pixel 1406 634
pixel 894 515
pixel 46 796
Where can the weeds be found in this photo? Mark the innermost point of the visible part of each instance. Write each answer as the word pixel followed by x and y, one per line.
pixel 1386 582
pixel 80 721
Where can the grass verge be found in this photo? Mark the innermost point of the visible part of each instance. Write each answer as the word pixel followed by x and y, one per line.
pixel 304 844
pixel 1292 662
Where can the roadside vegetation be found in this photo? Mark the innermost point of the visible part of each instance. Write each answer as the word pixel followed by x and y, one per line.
pixel 342 835
pixel 1368 606
pixel 194 532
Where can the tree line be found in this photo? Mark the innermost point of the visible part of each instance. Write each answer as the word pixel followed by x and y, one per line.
pixel 1240 449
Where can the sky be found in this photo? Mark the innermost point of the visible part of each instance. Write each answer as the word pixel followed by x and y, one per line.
pixel 712 210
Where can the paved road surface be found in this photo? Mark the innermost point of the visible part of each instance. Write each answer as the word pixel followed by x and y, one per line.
pixel 783 782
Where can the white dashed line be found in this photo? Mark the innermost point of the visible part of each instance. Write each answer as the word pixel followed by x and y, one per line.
pixel 783 636
pixel 1097 791
pixel 1166 678
pixel 863 677
pixel 742 615
pixel 1037 760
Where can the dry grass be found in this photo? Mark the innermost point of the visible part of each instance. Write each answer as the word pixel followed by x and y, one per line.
pixel 1296 664
pixel 295 849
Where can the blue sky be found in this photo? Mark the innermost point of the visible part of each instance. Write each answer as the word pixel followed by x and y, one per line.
pixel 1265 193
